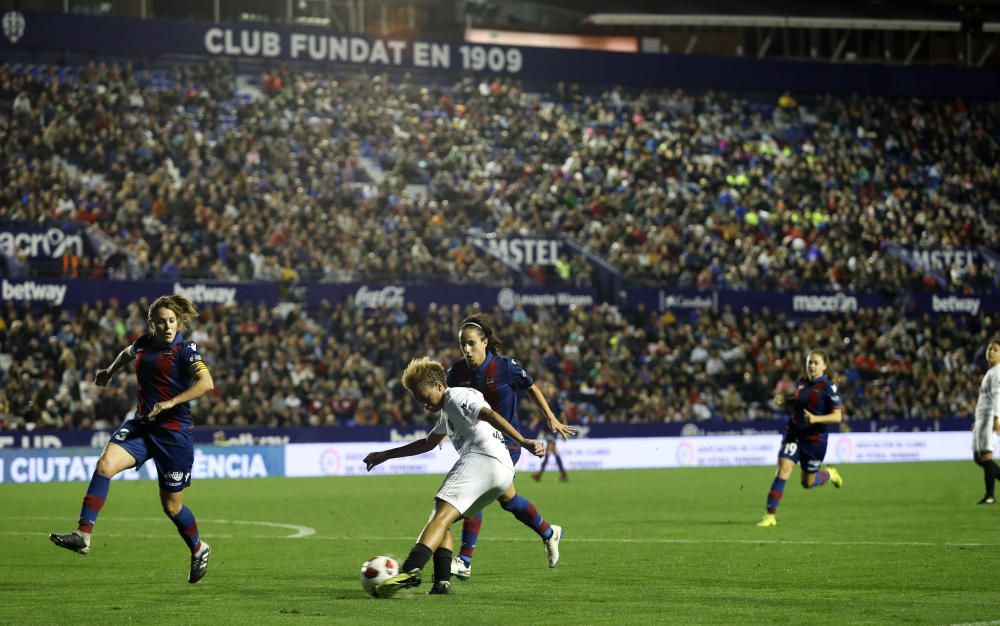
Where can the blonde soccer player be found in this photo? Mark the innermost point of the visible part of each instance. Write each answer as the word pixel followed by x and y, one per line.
pixel 483 473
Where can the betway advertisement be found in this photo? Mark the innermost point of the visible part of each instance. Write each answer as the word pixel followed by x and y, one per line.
pixel 971 305
pixel 46 465
pixel 77 292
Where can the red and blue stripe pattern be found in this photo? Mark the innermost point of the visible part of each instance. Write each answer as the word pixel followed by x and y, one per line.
pixel 163 372
pixel 93 502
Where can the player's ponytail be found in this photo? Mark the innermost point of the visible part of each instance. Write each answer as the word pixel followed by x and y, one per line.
pixel 483 325
pixel 183 308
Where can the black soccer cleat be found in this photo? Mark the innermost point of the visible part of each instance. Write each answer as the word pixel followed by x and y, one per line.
pixel 73 541
pixel 440 588
pixel 199 563
pixel 987 500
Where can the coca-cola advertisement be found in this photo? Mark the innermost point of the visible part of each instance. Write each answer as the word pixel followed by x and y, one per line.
pixel 422 296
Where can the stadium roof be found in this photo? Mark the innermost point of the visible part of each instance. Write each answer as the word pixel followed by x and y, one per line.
pixel 870 9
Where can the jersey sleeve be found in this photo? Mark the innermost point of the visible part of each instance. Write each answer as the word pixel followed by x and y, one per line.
pixel 451 376
pixel 994 383
pixel 191 358
pixel 519 379
pixel 142 343
pixel 833 396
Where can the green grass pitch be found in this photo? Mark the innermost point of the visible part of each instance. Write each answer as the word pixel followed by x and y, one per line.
pixel 900 543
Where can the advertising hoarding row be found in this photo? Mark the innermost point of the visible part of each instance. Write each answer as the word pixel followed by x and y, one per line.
pixel 18 465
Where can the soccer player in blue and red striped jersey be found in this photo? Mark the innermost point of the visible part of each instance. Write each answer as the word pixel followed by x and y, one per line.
pixel 815 405
pixel 170 373
pixel 500 378
pixel 551 449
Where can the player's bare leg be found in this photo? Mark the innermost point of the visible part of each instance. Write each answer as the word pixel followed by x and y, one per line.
pixel 114 459
pixel 428 544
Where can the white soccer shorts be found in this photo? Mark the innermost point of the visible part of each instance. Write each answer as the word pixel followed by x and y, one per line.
pixel 473 482
pixel 983 437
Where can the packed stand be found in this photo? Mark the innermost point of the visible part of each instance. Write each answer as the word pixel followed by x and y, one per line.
pixel 309 181
pixel 339 365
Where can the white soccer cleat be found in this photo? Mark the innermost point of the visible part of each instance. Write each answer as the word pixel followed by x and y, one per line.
pixel 460 570
pixel 552 545
pixel 199 563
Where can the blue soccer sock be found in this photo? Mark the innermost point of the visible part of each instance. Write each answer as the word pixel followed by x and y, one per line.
pixel 188 528
pixel 562 470
pixel 820 478
pixel 545 461
pixel 93 502
pixel 524 510
pixel 470 535
pixel 774 495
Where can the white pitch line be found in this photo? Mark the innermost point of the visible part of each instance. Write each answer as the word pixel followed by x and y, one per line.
pixel 311 534
pixel 300 532
pixel 576 539
pixel 214 536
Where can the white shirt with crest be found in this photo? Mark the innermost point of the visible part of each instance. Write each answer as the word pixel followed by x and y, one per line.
pixel 460 421
pixel 988 404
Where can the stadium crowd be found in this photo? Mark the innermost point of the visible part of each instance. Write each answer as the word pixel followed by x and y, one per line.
pixel 339 365
pixel 314 177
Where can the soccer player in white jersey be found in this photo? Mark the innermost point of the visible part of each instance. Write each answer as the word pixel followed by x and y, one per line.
pixel 483 473
pixel 988 422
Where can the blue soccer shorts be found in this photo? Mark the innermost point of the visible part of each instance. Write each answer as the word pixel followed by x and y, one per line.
pixel 799 449
pixel 171 450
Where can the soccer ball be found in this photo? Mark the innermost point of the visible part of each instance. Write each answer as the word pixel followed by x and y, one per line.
pixel 376 571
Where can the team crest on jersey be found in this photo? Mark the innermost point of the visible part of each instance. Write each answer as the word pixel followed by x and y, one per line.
pixel 167 354
pixel 490 380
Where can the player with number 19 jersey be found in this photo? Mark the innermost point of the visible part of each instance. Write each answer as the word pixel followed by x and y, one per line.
pixel 808 441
